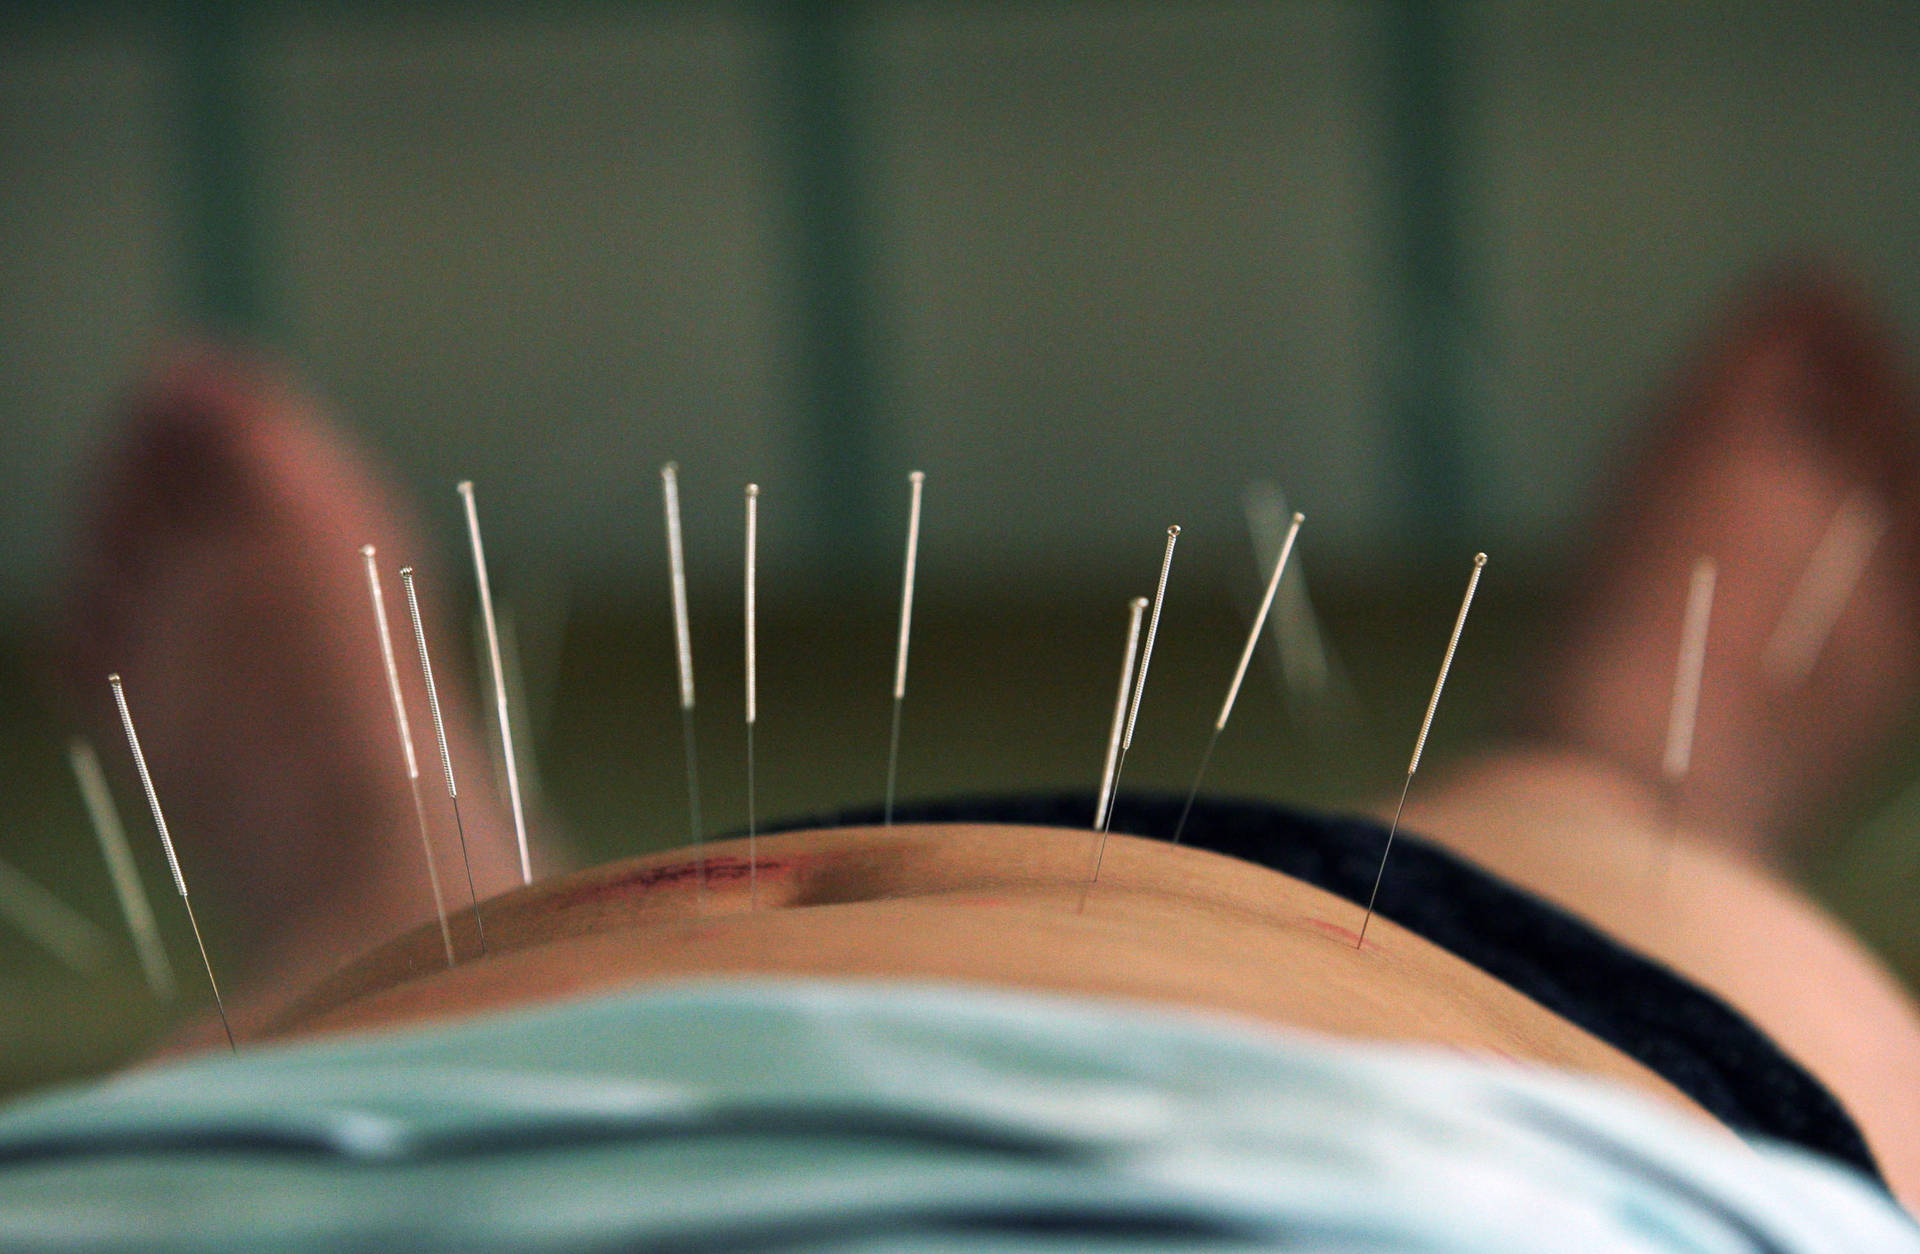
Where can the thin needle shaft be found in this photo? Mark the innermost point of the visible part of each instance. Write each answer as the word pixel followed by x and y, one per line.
pixel 499 677
pixel 916 482
pixel 1684 711
pixel 1153 630
pixel 1308 669
pixel 1140 680
pixel 1103 805
pixel 166 842
pixel 683 653
pixel 1240 670
pixel 405 730
pixel 1305 668
pixel 1688 669
pixel 446 755
pixel 752 634
pixel 1832 573
pixel 112 835
pixel 1419 746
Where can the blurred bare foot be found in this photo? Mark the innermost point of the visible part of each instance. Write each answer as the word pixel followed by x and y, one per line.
pixel 222 576
pixel 1796 415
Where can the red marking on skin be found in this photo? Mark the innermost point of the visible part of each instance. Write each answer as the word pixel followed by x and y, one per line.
pixel 646 879
pixel 1344 934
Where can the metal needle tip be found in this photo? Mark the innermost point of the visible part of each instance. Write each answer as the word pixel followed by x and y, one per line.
pixel 1420 745
pixel 166 843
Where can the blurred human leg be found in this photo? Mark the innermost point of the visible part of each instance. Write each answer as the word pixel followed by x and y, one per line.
pixel 1796 410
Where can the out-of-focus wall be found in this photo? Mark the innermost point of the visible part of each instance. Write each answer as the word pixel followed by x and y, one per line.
pixel 1090 265
pixel 85 265
pixel 1632 165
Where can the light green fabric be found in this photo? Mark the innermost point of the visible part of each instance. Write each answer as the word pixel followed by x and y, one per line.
pixel 802 1115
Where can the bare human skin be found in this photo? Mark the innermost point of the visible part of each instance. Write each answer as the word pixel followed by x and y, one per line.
pixel 1797 406
pixel 1591 838
pixel 225 585
pixel 221 575
pixel 976 904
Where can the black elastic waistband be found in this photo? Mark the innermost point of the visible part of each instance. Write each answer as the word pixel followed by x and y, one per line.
pixel 1675 1028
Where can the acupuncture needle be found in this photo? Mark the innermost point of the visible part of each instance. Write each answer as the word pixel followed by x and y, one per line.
pixel 405 730
pixel 751 628
pixel 465 489
pixel 446 755
pixel 916 482
pixel 166 843
pixel 132 894
pixel 1240 670
pixel 1140 680
pixel 1102 804
pixel 683 656
pixel 1419 745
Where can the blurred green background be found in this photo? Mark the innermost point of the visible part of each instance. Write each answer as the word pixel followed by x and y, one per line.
pixel 1091 266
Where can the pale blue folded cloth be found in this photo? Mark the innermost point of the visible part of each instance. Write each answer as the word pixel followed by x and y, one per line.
pixel 802 1115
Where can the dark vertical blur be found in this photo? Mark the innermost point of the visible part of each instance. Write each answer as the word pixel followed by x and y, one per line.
pixel 1428 387
pixel 220 192
pixel 836 402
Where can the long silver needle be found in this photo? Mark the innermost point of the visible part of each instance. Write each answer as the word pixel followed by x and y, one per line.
pixel 107 829
pixel 166 842
pixel 1827 583
pixel 752 635
pixel 1240 670
pixel 406 744
pixel 1103 805
pixel 1688 669
pixel 1140 680
pixel 1419 746
pixel 499 678
pixel 915 483
pixel 446 756
pixel 683 653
